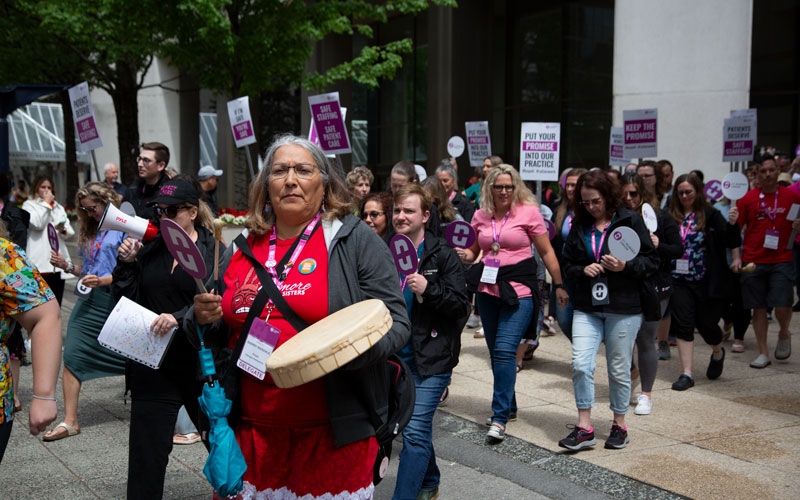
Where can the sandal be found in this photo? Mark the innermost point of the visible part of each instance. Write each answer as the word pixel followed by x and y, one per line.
pixel 190 438
pixel 529 352
pixel 519 367
pixel 61 431
pixel 444 396
pixel 737 348
pixel 17 407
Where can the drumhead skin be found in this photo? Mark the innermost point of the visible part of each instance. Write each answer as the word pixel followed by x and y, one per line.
pixel 329 344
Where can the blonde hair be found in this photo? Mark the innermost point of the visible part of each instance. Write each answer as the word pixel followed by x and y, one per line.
pixel 522 195
pixel 99 192
pixel 337 199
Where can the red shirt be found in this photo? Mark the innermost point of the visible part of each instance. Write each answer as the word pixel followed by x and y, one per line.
pixel 757 215
pixel 306 291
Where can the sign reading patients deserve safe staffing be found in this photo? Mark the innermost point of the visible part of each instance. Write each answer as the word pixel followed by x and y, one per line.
pixel 329 122
pixel 739 133
pixel 241 123
pixel 83 116
pixel 616 147
pixel 640 126
pixel 539 149
pixel 479 144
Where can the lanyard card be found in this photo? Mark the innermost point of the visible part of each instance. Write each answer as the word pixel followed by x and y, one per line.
pixel 490 269
pixel 261 341
pixel 771 239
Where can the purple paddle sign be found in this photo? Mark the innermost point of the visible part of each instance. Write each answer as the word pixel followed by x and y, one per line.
pixel 460 234
pixel 404 253
pixel 551 229
pixel 52 237
pixel 713 190
pixel 184 250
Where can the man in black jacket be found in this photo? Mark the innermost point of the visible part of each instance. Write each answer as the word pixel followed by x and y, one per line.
pixel 152 163
pixel 438 306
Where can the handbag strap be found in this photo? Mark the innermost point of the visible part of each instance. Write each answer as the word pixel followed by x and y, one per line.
pixel 268 287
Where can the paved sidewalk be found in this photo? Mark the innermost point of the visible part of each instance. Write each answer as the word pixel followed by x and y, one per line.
pixel 736 437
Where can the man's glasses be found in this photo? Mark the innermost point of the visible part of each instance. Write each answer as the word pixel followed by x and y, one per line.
pixel 372 215
pixel 142 159
pixel 89 210
pixel 500 188
pixel 171 212
pixel 592 203
pixel 686 193
pixel 301 170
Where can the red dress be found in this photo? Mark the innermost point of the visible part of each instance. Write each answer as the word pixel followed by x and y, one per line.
pixel 285 434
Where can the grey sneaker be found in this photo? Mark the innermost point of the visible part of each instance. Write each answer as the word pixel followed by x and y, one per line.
pixel 784 348
pixel 663 350
pixel 760 362
pixel 496 434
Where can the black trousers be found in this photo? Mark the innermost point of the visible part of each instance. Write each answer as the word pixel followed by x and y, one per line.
pixel 691 307
pixel 156 398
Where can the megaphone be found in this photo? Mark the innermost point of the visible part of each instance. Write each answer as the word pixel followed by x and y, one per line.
pixel 136 227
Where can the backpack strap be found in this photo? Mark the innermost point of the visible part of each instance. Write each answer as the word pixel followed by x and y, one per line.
pixel 268 286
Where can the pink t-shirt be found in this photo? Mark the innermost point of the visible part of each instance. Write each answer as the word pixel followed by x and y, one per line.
pixel 515 236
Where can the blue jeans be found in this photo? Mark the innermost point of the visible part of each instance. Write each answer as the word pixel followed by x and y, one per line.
pixel 503 327
pixel 417 469
pixel 619 333
pixel 564 315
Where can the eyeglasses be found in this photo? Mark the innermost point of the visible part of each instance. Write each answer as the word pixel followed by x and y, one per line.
pixel 372 215
pixel 686 193
pixel 500 188
pixel 632 194
pixel 301 170
pixel 90 210
pixel 592 203
pixel 170 212
pixel 646 176
pixel 142 159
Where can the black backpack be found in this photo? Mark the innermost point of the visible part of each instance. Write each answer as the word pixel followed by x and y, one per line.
pixel 402 396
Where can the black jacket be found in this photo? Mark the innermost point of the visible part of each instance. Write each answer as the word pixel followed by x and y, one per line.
pixel 444 309
pixel 17 221
pixel 139 194
pixel 624 286
pixel 719 236
pixel 670 247
pixel 465 207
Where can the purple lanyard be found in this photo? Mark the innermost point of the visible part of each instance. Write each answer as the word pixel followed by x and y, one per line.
pixel 763 205
pixel 93 253
pixel 599 248
pixel 496 233
pixel 273 239
pixel 686 226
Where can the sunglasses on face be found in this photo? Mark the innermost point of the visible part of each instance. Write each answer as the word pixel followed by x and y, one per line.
pixel 170 212
pixel 90 209
pixel 686 193
pixel 372 215
pixel 592 203
pixel 632 194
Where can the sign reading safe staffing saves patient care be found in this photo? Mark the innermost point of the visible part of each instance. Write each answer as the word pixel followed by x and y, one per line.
pixel 83 116
pixel 329 122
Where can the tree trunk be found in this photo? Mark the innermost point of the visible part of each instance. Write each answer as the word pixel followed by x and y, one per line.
pixel 73 182
pixel 126 105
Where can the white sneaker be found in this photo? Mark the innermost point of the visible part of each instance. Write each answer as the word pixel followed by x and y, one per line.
pixel 783 349
pixel 643 406
pixel 478 333
pixel 474 321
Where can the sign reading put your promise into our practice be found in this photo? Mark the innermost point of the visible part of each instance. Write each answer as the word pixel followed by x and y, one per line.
pixel 539 151
pixel 479 144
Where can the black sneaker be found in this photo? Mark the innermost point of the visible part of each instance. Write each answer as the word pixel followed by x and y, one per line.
pixel 715 366
pixel 578 439
pixel 684 382
pixel 618 438
pixel 796 306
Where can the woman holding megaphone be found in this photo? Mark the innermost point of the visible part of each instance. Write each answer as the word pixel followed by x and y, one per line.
pixel 84 358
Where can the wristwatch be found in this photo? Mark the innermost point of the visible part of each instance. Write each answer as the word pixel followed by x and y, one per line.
pixel 558 285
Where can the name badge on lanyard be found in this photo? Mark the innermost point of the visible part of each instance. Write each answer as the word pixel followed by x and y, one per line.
pixel 772 235
pixel 261 341
pixel 682 264
pixel 771 239
pixel 490 269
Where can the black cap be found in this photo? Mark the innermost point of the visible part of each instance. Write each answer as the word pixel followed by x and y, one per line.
pixel 175 192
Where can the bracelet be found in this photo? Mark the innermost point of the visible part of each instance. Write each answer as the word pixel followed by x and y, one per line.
pixel 44 399
pixel 70 268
